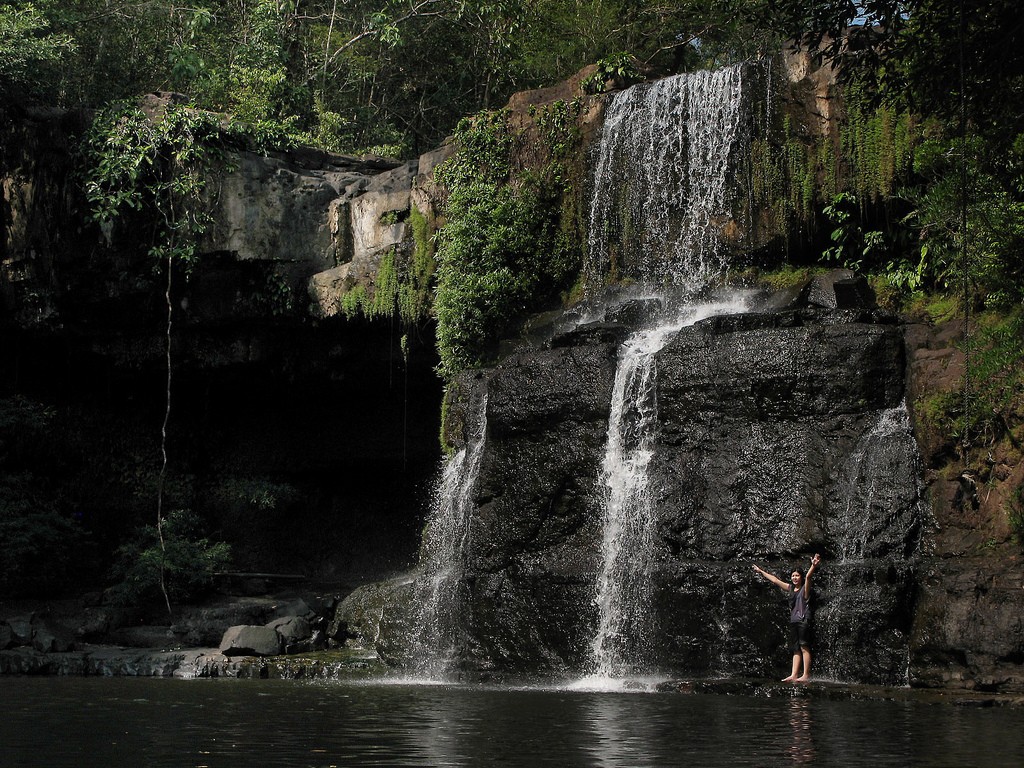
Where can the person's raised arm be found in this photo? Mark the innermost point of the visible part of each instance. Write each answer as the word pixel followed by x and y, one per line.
pixel 810 571
pixel 772 578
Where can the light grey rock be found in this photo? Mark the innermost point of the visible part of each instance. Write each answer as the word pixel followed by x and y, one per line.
pixel 247 640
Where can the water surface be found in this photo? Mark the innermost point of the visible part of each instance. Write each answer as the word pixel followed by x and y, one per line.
pixel 87 722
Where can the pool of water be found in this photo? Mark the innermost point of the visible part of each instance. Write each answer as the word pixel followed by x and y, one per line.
pixel 85 722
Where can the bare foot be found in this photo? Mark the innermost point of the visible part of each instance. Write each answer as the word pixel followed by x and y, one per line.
pixel 802 679
pixel 789 679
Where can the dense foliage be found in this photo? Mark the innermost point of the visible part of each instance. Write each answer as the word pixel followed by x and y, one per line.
pixel 389 75
pixel 179 562
pixel 505 249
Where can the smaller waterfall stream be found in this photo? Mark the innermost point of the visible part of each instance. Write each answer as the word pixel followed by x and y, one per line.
pixel 437 630
pixel 867 559
pixel 889 441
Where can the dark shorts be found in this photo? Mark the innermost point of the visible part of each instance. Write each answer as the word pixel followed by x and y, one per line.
pixel 799 635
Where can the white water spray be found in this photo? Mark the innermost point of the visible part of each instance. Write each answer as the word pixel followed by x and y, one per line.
pixel 439 600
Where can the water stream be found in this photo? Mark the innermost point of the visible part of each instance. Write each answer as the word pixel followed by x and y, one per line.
pixel 661 191
pixel 871 520
pixel 439 603
pixel 622 644
pixel 661 197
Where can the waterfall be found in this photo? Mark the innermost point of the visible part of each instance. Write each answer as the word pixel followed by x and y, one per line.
pixel 876 524
pixel 661 195
pixel 437 635
pixel 623 642
pixel 867 478
pixel 661 191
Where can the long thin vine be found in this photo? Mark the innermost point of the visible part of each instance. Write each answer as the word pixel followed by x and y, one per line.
pixel 156 166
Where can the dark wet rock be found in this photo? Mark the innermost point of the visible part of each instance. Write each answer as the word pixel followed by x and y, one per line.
pixel 39 631
pixel 292 608
pixel 765 422
pixel 590 333
pixel 636 312
pixel 295 633
pixel 378 617
pixel 20 630
pixel 48 637
pixel 838 289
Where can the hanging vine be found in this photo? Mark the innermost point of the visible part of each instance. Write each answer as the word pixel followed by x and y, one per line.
pixel 152 170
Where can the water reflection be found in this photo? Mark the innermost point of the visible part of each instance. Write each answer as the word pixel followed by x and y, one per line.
pixel 94 723
pixel 618 735
pixel 801 751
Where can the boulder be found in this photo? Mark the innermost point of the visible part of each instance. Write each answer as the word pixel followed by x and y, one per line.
pixel 292 608
pixel 20 630
pixel 51 638
pixel 248 640
pixel 838 289
pixel 378 616
pixel 293 631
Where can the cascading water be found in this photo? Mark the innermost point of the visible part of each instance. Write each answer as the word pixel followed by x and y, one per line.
pixel 674 139
pixel 624 635
pixel 876 524
pixel 437 629
pixel 661 190
pixel 870 496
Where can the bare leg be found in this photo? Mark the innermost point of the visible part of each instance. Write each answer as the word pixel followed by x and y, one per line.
pixel 796 669
pixel 806 653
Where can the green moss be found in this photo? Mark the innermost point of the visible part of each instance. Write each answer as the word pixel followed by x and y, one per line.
pixel 934 307
pixel 511 241
pixel 385 289
pixel 787 276
pixel 354 301
pixel 414 292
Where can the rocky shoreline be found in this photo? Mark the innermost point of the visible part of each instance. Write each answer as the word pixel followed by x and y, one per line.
pixel 352 665
pixel 186 663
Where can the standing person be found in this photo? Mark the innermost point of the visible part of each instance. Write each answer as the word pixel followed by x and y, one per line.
pixel 799 591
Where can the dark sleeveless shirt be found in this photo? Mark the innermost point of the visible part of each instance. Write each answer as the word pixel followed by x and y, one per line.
pixel 799 605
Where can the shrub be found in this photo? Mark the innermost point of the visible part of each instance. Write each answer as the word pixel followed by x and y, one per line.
pixel 40 545
pixel 186 562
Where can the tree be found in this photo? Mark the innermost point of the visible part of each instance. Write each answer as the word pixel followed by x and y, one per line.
pixel 27 47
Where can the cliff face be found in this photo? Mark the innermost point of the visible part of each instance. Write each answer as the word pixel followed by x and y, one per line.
pixel 777 435
pixel 307 441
